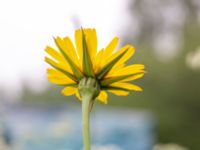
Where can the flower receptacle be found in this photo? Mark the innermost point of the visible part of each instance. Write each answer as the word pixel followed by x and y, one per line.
pixel 89 87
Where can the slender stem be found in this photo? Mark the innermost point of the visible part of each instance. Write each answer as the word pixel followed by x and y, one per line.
pixel 89 89
pixel 86 99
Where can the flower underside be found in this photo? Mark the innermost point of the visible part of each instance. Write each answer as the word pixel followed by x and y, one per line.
pixel 71 64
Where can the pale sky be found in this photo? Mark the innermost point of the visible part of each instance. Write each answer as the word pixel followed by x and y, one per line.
pixel 27 26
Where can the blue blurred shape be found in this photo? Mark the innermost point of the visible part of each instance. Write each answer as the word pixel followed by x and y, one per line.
pixel 60 129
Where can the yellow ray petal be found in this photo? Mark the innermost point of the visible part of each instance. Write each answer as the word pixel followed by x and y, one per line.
pixel 58 77
pixel 68 91
pixel 59 58
pixel 70 50
pixel 54 72
pixel 130 52
pixel 59 81
pixel 79 44
pixel 117 53
pixel 131 69
pixel 78 95
pixel 119 65
pixel 115 69
pixel 111 46
pixel 108 51
pixel 127 86
pixel 97 61
pixel 54 54
pixel 91 39
pixel 134 77
pixel 62 66
pixel 103 97
pixel 119 92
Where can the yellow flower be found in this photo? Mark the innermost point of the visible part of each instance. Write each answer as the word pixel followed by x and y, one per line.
pixel 107 66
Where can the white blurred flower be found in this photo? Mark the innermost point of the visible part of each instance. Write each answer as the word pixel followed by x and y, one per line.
pixel 3 145
pixel 60 129
pixel 106 147
pixel 193 59
pixel 170 146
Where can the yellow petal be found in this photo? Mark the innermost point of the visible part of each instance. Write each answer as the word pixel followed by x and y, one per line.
pixel 119 92
pixel 59 78
pixel 129 53
pixel 69 91
pixel 131 69
pixel 78 95
pixel 108 51
pixel 134 77
pixel 70 50
pixel 91 39
pixel 117 53
pixel 53 72
pixel 103 97
pixel 115 69
pixel 62 66
pixel 58 57
pixel 59 81
pixel 111 46
pixel 127 86
pixel 97 61
pixel 54 54
pixel 79 44
pixel 126 56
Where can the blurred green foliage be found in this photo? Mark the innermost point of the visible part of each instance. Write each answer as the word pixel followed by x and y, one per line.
pixel 171 89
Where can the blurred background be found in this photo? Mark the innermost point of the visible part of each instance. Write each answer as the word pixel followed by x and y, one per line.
pixel 166 35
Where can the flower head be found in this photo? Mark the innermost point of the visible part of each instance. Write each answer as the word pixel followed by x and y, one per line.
pixel 71 64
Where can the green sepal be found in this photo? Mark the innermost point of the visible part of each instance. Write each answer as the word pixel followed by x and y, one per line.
pixel 87 64
pixel 74 68
pixel 91 104
pixel 71 76
pixel 109 66
pixel 89 86
pixel 111 80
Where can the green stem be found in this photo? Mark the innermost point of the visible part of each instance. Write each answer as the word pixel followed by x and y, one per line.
pixel 86 102
pixel 89 89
